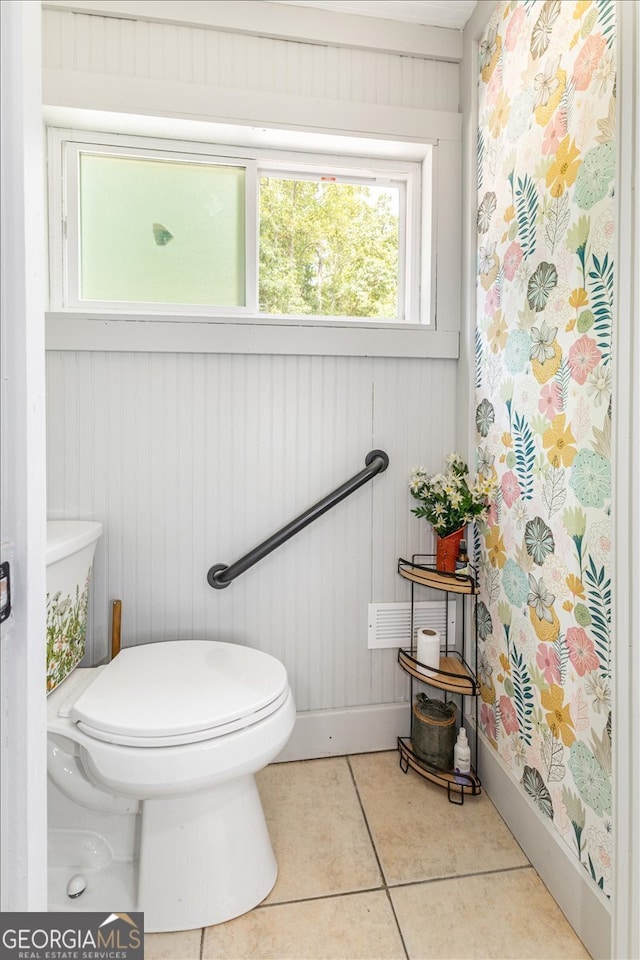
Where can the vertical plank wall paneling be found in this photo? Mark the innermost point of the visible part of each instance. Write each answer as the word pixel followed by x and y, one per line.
pixel 190 460
pixel 194 55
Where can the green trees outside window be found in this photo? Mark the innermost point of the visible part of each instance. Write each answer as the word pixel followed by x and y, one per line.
pixel 328 249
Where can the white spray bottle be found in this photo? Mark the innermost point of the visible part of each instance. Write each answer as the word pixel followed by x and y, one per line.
pixel 462 753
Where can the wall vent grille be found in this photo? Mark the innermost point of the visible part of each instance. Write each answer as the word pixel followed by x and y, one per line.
pixel 390 623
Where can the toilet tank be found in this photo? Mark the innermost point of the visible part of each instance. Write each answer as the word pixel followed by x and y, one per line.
pixel 71 545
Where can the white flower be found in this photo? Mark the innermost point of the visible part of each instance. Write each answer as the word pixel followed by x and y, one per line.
pixel 446 499
pixel 519 750
pixel 519 513
pixel 540 598
pixel 604 74
pixel 485 462
pixel 521 279
pixel 599 689
pixel 599 541
pixel 526 396
pixel 488 47
pixel 485 257
pixel 555 574
pixel 557 308
pixel 484 667
pixel 599 384
pixel 546 83
pixel 455 498
pixel 602 233
pixel 598 846
pixel 541 342
pixel 520 116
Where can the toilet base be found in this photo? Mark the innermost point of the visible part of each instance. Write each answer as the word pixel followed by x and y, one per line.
pixel 185 862
pixel 204 858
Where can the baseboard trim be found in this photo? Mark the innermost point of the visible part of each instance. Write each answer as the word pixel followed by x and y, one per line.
pixel 333 733
pixel 585 907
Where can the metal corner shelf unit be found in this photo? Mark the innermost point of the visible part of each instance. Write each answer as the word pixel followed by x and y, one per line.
pixel 455 675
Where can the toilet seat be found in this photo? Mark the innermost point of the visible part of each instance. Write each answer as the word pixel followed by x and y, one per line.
pixel 179 692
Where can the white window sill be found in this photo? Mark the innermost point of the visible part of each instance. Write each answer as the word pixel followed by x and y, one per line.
pixel 192 334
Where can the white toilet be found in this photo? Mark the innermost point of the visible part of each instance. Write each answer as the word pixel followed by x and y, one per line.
pixel 153 804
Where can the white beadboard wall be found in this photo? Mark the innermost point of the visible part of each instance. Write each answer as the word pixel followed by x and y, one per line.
pixel 204 57
pixel 192 459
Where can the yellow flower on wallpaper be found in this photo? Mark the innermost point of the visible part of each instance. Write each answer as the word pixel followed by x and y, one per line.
pixel 543 371
pixel 546 110
pixel 488 691
pixel 559 442
pixel 581 7
pixel 498 332
pixel 576 586
pixel 490 49
pixel 559 715
pixel 506 666
pixel 489 266
pixel 496 548
pixel 546 630
pixel 500 114
pixel 579 298
pixel 564 170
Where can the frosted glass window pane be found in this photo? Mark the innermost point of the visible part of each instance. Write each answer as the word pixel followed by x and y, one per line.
pixel 159 231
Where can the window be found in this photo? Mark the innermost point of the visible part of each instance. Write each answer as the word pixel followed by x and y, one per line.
pixel 160 231
pixel 175 228
pixel 329 246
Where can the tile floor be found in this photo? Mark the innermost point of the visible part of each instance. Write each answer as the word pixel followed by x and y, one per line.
pixel 376 864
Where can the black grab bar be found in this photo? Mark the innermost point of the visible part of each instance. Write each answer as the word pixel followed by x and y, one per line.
pixel 220 575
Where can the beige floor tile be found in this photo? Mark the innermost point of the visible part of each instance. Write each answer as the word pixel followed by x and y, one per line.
pixel 318 832
pixel 500 916
pixel 184 945
pixel 419 835
pixel 360 926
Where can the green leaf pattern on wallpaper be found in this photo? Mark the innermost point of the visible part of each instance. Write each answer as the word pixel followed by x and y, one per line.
pixel 545 225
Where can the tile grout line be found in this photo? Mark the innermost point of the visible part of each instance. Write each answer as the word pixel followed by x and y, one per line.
pixel 366 821
pixel 320 896
pixel 389 887
pixel 202 942
pixel 460 876
pixel 375 852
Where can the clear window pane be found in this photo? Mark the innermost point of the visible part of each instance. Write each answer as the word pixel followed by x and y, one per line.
pixel 159 231
pixel 328 249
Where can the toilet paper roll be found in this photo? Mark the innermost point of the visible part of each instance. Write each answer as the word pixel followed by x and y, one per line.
pixel 428 650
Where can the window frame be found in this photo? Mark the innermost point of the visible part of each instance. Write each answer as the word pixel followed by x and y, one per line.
pixel 415 275
pixel 71 252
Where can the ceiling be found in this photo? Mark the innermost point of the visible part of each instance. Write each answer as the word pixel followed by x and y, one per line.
pixel 435 13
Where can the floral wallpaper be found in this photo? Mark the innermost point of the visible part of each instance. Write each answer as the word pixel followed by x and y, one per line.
pixel 66 633
pixel 546 165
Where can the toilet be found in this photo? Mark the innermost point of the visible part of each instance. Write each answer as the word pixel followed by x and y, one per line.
pixel 152 799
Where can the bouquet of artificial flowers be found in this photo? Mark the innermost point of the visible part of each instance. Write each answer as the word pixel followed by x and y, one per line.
pixel 447 500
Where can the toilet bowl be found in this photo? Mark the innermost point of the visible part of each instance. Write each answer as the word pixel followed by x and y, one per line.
pixel 151 763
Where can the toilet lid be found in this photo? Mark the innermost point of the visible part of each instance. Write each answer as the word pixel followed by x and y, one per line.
pixel 180 691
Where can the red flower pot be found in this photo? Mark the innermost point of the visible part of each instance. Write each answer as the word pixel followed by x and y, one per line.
pixel 447 550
